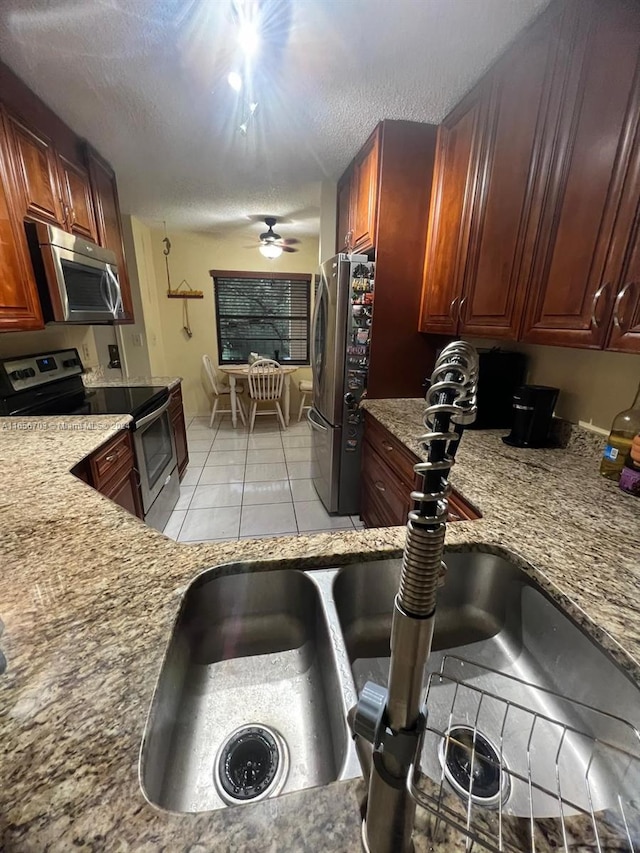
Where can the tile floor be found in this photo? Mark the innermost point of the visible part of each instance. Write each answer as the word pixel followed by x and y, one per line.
pixel 241 486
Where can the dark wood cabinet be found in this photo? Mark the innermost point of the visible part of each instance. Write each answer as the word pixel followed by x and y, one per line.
pixel 107 208
pixel 111 470
pixel 364 195
pixel 492 298
pixel 77 200
pixel 176 411
pixel 357 207
pixel 388 479
pixel 570 300
pixel 532 227
pixel 125 491
pixel 50 175
pixel 383 199
pixel 19 303
pixel 36 171
pixel 450 218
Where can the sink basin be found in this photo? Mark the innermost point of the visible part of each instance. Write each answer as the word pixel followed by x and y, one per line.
pixel 263 667
pixel 498 634
pixel 247 651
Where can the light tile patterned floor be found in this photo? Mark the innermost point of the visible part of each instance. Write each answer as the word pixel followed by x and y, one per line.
pixel 249 486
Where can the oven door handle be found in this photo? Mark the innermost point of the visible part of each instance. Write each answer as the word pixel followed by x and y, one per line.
pixel 148 419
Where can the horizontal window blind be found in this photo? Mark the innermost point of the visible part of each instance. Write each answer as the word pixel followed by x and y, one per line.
pixel 269 316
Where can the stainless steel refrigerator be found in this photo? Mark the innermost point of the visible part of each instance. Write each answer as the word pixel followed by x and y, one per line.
pixel 340 361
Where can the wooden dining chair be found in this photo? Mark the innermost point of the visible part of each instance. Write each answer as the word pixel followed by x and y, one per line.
pixel 219 390
pixel 266 378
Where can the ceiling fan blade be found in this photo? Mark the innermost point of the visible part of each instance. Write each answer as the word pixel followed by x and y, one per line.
pixel 290 241
pixel 289 249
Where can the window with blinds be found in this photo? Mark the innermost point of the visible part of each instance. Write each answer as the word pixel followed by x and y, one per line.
pixel 263 313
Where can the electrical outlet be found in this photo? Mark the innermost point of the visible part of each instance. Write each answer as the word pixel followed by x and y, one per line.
pixel 136 339
pixel 86 352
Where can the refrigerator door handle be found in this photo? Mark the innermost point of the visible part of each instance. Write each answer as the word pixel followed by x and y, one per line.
pixel 315 373
pixel 314 424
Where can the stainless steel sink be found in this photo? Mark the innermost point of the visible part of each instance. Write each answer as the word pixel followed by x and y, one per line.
pixel 248 650
pixel 287 652
pixel 492 621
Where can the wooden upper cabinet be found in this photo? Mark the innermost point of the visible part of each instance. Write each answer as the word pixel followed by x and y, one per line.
pixel 19 303
pixel 624 329
pixel 625 323
pixel 450 216
pixel 343 225
pixel 571 300
pixel 105 200
pixel 35 165
pixel 77 200
pixel 492 299
pixel 364 196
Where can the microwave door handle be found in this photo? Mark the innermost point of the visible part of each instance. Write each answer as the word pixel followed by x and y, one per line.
pixel 106 292
pixel 113 279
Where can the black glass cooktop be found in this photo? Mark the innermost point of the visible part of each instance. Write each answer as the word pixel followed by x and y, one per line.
pixel 123 400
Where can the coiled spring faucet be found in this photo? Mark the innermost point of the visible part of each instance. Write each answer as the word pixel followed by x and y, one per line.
pixel 392 719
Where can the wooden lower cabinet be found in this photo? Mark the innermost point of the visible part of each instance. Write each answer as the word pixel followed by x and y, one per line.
pixel 176 410
pixel 111 470
pixel 388 479
pixel 125 491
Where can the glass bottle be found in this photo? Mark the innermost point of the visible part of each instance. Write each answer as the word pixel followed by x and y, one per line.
pixel 625 426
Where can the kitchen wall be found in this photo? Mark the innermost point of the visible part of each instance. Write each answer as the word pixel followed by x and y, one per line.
pixel 171 351
pixel 594 385
pixel 55 337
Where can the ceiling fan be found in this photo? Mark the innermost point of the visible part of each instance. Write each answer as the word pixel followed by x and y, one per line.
pixel 272 245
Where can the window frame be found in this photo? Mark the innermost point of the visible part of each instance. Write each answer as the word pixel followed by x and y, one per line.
pixel 268 275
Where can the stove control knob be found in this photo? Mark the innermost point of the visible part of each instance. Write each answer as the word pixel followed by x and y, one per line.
pixel 15 374
pixel 70 362
pixel 28 373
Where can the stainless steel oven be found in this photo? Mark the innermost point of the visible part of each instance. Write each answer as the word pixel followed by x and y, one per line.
pixel 77 279
pixel 157 464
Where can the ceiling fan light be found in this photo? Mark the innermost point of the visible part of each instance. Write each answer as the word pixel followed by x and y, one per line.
pixel 271 251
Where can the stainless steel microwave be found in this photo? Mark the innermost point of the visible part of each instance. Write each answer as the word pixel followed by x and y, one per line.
pixel 77 279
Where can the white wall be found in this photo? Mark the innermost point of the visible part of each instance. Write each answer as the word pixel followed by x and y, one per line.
pixel 54 337
pixel 328 220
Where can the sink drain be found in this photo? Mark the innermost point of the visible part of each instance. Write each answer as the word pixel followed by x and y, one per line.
pixel 478 775
pixel 251 764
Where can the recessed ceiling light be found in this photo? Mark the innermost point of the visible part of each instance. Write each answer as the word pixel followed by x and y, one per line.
pixel 234 80
pixel 248 37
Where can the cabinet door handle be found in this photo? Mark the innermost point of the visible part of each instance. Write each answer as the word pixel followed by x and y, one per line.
pixel 348 241
pixel 452 307
pixel 111 457
pixel 380 486
pixel 617 319
pixel 596 301
pixel 460 307
pixel 387 446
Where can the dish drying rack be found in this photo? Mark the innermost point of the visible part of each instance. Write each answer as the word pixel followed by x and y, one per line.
pixel 571 782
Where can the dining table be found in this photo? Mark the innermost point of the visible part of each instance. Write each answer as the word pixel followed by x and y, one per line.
pixel 240 371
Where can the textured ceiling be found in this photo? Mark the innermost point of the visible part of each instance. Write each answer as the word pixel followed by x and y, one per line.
pixel 145 81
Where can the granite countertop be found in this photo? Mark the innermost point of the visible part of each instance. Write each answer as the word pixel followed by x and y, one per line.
pixel 88 595
pixel 97 379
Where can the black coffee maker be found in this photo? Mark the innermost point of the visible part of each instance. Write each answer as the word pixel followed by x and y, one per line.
pixel 533 407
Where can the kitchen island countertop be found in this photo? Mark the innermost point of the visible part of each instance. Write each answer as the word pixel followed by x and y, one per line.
pixel 88 595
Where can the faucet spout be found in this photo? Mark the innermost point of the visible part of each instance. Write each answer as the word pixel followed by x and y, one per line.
pixel 393 719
